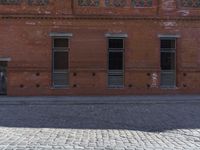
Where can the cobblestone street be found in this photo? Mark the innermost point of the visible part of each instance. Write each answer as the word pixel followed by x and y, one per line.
pixel 140 126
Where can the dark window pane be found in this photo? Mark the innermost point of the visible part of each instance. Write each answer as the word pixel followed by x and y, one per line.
pixel 3 63
pixel 167 61
pixel 168 44
pixel 116 61
pixel 60 60
pixel 60 42
pixel 116 43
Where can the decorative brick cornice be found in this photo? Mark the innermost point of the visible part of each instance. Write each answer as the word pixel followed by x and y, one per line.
pixel 100 17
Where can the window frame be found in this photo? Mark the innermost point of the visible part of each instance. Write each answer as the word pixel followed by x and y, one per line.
pixel 64 71
pixel 169 50
pixel 112 71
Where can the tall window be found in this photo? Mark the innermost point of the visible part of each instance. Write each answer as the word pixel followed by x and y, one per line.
pixel 116 62
pixel 60 61
pixel 168 62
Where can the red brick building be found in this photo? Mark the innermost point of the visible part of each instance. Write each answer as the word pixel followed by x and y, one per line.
pixel 99 47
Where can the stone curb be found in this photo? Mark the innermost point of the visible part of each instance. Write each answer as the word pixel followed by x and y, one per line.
pixel 99 100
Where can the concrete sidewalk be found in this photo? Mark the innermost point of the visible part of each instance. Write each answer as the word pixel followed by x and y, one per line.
pixel 78 100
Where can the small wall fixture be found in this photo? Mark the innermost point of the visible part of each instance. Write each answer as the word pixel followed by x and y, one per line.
pixel 130 85
pixel 148 85
pixel 148 74
pixel 74 74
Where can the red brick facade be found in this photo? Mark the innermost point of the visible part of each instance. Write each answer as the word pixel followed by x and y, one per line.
pixel 26 45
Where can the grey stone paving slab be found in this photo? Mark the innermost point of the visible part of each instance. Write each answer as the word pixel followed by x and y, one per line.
pixel 110 126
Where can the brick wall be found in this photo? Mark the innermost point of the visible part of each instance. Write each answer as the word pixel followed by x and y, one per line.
pixel 25 39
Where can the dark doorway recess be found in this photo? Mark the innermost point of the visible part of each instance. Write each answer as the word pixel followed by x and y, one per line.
pixel 3 77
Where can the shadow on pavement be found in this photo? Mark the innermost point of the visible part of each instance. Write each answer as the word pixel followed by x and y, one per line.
pixel 141 117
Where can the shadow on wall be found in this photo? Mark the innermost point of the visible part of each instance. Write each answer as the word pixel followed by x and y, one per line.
pixel 142 117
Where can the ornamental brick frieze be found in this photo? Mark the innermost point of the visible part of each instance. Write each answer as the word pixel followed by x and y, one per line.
pixel 190 3
pixel 88 2
pixel 38 2
pixel 10 2
pixel 28 2
pixel 142 3
pixel 117 3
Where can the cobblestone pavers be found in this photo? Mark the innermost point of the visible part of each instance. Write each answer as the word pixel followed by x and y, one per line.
pixel 100 127
pixel 20 138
